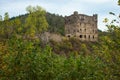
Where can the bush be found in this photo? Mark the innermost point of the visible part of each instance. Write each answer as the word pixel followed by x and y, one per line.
pixel 27 62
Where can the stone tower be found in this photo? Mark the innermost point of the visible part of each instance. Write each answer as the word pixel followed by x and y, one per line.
pixel 82 27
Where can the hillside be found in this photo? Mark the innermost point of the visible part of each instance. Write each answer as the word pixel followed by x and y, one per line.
pixel 23 56
pixel 55 22
pixel 56 26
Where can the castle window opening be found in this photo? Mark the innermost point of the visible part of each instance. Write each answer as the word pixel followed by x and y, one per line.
pixel 84 36
pixel 80 36
pixel 89 36
pixel 80 29
pixel 69 36
pixel 82 19
pixel 93 37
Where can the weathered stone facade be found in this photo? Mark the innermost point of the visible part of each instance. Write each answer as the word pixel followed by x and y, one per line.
pixel 81 26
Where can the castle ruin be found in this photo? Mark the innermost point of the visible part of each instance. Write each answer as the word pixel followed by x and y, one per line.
pixel 82 27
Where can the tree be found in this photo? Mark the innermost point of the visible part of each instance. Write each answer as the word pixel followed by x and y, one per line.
pixel 109 47
pixel 6 16
pixel 36 21
pixel 118 2
pixel 17 26
pixel 56 23
pixel 29 9
pixel 6 26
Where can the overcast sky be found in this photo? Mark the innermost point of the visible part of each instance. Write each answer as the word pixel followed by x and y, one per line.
pixel 63 7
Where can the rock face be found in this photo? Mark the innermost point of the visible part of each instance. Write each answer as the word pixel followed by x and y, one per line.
pixel 82 27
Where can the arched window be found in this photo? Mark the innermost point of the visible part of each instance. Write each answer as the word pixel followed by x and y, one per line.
pixel 69 20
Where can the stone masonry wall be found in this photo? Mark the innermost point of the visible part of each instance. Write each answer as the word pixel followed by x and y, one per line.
pixel 82 27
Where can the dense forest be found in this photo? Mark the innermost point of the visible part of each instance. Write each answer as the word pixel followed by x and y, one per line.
pixel 23 56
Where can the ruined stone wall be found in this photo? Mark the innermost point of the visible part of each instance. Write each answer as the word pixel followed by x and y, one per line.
pixel 81 26
pixel 46 37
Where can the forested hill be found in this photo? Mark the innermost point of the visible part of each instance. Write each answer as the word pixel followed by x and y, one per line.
pixel 25 57
pixel 23 25
pixel 55 22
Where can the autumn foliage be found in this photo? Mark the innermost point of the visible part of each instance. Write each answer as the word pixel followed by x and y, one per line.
pixel 25 57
